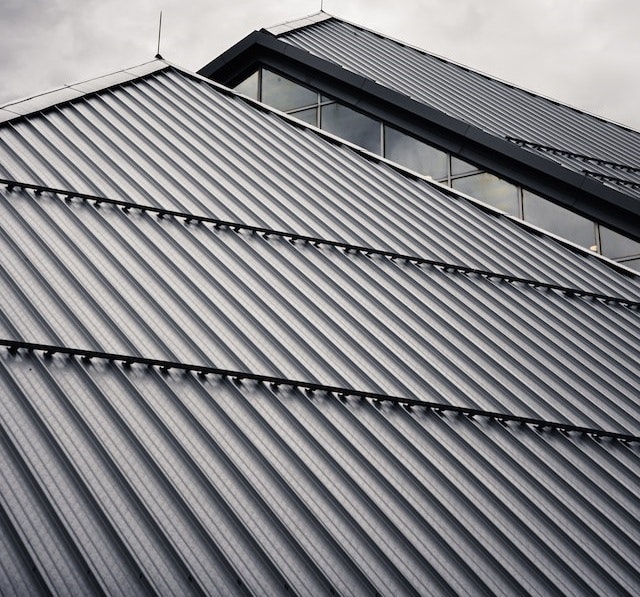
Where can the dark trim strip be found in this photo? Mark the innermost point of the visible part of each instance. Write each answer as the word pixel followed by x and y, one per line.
pixel 14 346
pixel 347 247
pixel 572 154
pixel 533 170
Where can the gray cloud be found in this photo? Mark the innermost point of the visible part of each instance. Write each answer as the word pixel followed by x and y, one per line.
pixel 582 53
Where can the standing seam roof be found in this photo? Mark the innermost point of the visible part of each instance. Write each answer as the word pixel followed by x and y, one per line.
pixel 494 106
pixel 110 280
pixel 268 172
pixel 122 474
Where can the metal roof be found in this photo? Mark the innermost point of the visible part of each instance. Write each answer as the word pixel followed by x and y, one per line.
pixel 475 98
pixel 122 474
pixel 122 282
pixel 66 93
pixel 131 480
pixel 268 172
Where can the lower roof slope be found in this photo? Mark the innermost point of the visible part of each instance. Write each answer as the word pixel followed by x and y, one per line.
pixel 131 480
pixel 125 475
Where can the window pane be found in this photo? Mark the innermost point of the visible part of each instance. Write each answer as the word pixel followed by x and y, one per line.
pixel 249 86
pixel 414 154
pixel 309 115
pixel 490 189
pixel 284 94
pixel 559 220
pixel 459 166
pixel 352 126
pixel 616 245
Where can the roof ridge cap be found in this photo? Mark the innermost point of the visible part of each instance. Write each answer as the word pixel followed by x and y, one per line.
pixel 60 95
pixel 299 23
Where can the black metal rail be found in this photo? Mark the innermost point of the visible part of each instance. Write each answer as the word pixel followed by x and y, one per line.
pixel 14 346
pixel 572 154
pixel 621 181
pixel 316 241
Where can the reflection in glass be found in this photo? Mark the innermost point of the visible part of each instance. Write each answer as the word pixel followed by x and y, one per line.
pixel 283 94
pixel 414 154
pixel 616 245
pixel 310 116
pixel 249 86
pixel 459 166
pixel 352 126
pixel 490 189
pixel 559 220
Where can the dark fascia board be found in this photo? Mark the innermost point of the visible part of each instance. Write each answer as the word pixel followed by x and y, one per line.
pixel 565 187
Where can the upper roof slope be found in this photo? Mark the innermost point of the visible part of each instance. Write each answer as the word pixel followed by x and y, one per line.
pixel 607 151
pixel 177 141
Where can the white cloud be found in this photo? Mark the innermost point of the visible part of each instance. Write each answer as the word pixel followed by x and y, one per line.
pixel 582 53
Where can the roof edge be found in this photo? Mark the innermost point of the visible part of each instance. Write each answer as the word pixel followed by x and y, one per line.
pixel 616 209
pixel 60 95
pixel 300 23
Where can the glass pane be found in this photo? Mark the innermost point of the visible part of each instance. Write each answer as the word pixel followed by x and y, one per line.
pixel 490 189
pixel 309 116
pixel 249 86
pixel 283 94
pixel 616 245
pixel 459 166
pixel 633 264
pixel 559 220
pixel 414 154
pixel 352 126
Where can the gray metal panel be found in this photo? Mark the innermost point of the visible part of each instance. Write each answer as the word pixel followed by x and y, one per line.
pixel 492 105
pixel 170 483
pixel 92 277
pixel 179 142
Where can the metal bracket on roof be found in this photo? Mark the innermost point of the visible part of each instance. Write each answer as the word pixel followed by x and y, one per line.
pixel 348 248
pixel 127 361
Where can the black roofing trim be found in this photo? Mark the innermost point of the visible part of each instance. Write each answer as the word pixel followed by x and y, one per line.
pixel 14 346
pixel 616 180
pixel 316 241
pixel 457 65
pixel 572 154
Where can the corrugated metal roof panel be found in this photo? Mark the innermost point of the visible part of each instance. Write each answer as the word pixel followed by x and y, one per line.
pixel 493 106
pixel 135 481
pixel 101 278
pixel 179 142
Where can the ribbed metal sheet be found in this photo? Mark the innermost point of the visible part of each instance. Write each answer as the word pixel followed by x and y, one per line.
pixel 132 481
pixel 492 105
pixel 99 278
pixel 172 140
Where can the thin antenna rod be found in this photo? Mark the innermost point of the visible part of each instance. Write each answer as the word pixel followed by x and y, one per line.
pixel 159 33
pixel 321 5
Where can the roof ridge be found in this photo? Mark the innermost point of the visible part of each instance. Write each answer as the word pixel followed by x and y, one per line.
pixel 29 105
pixel 475 71
pixel 297 24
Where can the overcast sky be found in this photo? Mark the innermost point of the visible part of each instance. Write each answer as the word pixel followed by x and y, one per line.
pixel 581 52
